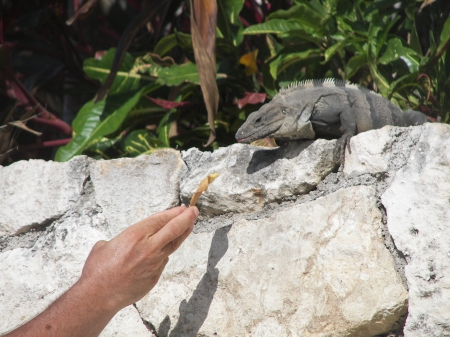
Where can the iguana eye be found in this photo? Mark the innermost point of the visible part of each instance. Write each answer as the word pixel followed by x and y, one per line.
pixel 284 111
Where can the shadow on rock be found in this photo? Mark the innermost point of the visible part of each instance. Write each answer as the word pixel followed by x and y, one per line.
pixel 264 158
pixel 193 313
pixel 164 327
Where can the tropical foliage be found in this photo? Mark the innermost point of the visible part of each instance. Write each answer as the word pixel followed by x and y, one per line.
pixel 192 75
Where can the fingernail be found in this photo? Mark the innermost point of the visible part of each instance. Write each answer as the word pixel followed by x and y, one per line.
pixel 196 211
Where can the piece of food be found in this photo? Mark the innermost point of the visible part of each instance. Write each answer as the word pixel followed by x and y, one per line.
pixel 202 187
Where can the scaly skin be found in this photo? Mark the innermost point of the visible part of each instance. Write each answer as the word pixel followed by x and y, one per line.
pixel 328 109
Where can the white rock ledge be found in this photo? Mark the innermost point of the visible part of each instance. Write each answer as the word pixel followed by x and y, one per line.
pixel 418 212
pixel 37 192
pixel 316 269
pixel 130 189
pixel 252 176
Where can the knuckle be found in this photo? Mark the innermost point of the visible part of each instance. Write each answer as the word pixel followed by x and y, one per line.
pixel 192 217
pixel 135 236
pixel 175 231
pixel 173 246
pixel 99 244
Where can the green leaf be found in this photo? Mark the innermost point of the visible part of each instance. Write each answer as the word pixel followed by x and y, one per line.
pixel 177 74
pixel 275 26
pixel 268 80
pixel 225 49
pixel 396 50
pixel 146 64
pixel 378 31
pixel 402 82
pixel 164 126
pixel 415 42
pixel 141 142
pixel 285 60
pixel 105 147
pixel 303 35
pixel 228 24
pixel 315 5
pixel 337 47
pixel 303 14
pixel 445 36
pixel 124 81
pixel 354 64
pixel 145 111
pixel 273 46
pixel 378 78
pixel 166 44
pixel 94 121
pixel 378 5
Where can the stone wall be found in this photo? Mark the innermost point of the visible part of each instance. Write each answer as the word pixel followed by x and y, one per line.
pixel 287 244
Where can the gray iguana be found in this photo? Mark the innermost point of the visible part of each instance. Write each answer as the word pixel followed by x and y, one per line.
pixel 326 108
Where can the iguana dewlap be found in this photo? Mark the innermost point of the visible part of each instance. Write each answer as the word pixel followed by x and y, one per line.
pixel 324 109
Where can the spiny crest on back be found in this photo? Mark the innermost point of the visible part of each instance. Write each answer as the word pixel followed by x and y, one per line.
pixel 321 83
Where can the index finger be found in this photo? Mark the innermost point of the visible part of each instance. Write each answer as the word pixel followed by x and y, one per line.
pixel 177 226
pixel 155 222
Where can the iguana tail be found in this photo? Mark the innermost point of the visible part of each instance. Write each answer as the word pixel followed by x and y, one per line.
pixel 412 118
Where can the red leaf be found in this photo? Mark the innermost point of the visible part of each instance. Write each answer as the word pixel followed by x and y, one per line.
pixel 168 104
pixel 99 54
pixel 251 98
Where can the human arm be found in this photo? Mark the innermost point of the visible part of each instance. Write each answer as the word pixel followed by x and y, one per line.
pixel 117 273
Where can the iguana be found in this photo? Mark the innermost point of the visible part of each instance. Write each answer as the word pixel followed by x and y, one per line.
pixel 326 108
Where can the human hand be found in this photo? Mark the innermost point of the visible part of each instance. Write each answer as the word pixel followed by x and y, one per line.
pixel 121 271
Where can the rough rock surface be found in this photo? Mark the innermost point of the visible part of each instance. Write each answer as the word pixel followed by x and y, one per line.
pixel 309 252
pixel 314 269
pixel 38 193
pixel 32 278
pixel 129 190
pixel 380 151
pixel 40 267
pixel 369 153
pixel 418 212
pixel 251 177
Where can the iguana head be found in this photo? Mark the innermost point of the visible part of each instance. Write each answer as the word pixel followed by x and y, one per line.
pixel 278 120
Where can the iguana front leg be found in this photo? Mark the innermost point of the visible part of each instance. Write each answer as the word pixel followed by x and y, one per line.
pixel 337 114
pixel 348 125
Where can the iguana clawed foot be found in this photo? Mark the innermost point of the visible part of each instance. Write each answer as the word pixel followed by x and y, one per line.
pixel 339 149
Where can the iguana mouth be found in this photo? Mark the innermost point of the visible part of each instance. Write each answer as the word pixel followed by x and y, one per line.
pixel 242 139
pixel 255 136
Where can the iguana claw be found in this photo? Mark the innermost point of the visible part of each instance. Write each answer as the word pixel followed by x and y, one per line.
pixel 339 149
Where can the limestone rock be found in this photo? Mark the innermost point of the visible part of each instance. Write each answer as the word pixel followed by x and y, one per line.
pixel 32 278
pixel 120 193
pixel 252 176
pixel 376 151
pixel 418 213
pixel 36 192
pixel 131 189
pixel 126 323
pixel 368 152
pixel 314 269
